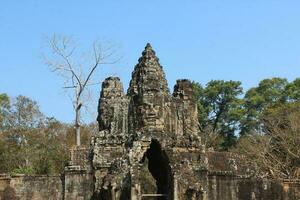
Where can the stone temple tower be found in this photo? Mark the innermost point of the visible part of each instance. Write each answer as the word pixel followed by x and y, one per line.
pixel 148 144
pixel 148 147
pixel 149 95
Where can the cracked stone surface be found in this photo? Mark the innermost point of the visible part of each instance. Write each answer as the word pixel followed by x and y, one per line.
pixel 148 144
pixel 147 122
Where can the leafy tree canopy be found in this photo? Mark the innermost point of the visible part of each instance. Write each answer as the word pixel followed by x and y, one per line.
pixel 220 109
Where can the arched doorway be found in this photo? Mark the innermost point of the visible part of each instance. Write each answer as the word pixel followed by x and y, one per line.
pixel 156 176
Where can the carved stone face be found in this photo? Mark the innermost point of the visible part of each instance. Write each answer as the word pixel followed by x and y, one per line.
pixel 105 117
pixel 151 112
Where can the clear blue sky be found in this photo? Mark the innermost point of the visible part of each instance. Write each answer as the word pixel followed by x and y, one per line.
pixel 201 40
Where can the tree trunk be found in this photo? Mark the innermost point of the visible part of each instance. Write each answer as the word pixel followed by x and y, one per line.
pixel 77 122
pixel 78 142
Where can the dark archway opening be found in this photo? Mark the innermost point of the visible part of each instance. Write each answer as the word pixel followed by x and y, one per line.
pixel 159 167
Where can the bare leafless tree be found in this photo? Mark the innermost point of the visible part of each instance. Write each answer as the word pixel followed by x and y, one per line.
pixel 276 153
pixel 77 68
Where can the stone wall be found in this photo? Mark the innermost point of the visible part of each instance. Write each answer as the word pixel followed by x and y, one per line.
pixel 75 184
pixel 78 185
pixel 78 180
pixel 30 187
pixel 240 188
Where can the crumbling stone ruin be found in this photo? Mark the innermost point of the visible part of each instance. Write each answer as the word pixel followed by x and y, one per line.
pixel 147 124
pixel 148 147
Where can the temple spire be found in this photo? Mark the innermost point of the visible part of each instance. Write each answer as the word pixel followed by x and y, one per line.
pixel 148 53
pixel 148 46
pixel 148 74
pixel 149 93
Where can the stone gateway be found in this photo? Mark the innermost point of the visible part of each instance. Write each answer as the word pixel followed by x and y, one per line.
pixel 148 147
pixel 148 126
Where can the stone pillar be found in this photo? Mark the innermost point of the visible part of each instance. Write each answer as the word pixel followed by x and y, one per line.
pixel 136 192
pixel 113 194
pixel 175 188
pixel 194 196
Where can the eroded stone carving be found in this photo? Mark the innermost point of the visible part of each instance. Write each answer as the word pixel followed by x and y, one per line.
pixel 147 123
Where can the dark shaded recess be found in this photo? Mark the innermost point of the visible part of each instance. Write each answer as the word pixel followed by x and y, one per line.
pixel 105 194
pixel 192 194
pixel 160 169
pixel 125 193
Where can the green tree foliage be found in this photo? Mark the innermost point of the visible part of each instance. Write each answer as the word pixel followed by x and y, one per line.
pixel 25 118
pixel 32 143
pixel 269 93
pixel 292 91
pixel 10 153
pixel 4 110
pixel 26 114
pixel 48 147
pixel 220 109
pixel 224 114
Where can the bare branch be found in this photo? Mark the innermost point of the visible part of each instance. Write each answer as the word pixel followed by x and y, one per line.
pixel 77 75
